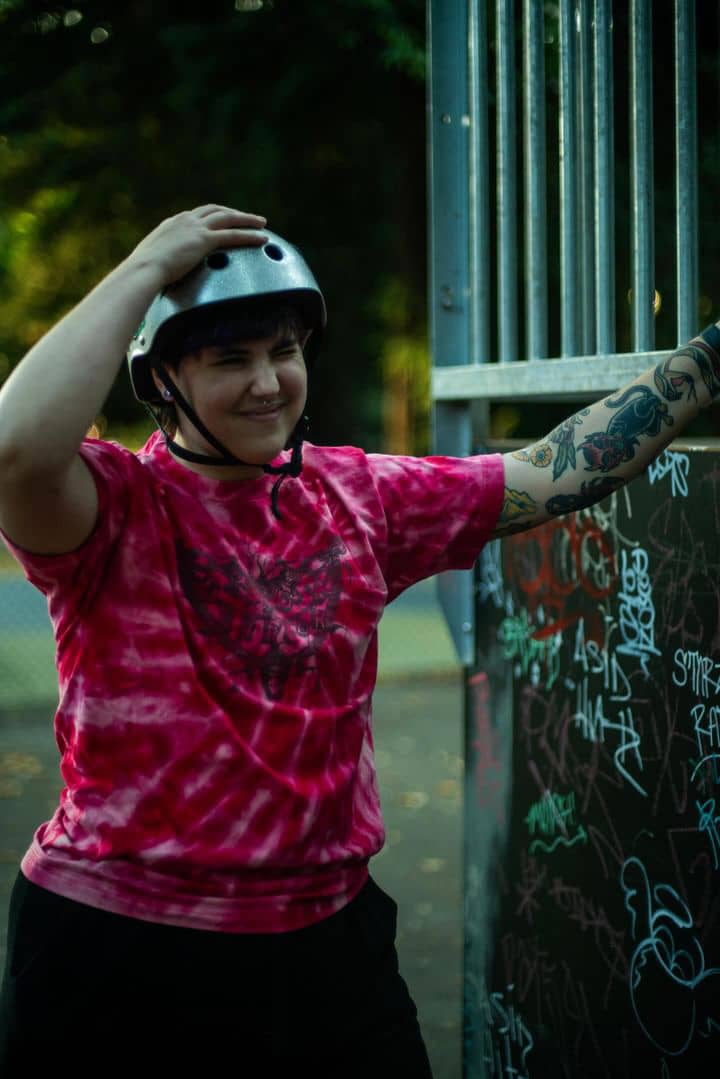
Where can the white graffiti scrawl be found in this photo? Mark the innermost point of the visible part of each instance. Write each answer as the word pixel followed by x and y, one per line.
pixel 637 610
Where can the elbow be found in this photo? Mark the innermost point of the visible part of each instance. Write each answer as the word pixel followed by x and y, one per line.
pixel 10 463
pixel 19 464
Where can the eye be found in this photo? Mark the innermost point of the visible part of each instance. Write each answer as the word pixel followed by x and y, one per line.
pixel 287 350
pixel 230 358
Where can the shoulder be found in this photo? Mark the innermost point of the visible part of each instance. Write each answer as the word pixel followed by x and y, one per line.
pixel 109 463
pixel 318 458
pixel 108 458
pixel 406 475
pixel 336 467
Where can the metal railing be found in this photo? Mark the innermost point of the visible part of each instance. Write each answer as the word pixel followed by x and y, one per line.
pixel 484 271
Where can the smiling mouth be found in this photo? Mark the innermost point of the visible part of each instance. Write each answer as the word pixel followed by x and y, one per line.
pixel 262 412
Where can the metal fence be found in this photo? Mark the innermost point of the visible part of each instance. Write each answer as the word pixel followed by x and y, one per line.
pixel 413 641
pixel 495 287
pixel 27 665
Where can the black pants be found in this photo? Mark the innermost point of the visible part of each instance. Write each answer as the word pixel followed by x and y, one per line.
pixel 88 992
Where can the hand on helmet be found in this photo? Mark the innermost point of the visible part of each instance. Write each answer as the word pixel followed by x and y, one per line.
pixel 179 243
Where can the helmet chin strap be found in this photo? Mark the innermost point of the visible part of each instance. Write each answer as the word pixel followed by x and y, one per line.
pixel 293 467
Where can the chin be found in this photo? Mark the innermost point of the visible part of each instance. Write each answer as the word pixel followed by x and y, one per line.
pixel 256 456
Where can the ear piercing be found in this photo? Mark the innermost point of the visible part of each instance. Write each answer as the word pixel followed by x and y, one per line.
pixel 167 395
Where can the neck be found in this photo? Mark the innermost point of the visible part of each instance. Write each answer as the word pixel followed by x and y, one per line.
pixel 220 472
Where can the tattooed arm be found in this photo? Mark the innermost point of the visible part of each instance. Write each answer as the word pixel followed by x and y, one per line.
pixel 600 448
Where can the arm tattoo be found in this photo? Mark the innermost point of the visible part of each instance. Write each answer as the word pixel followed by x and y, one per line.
pixel 640 412
pixel 708 363
pixel 590 492
pixel 640 409
pixel 540 455
pixel 564 437
pixel 516 505
pixel 669 382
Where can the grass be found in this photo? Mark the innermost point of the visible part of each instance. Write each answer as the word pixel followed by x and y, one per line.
pixel 7 562
pixel 414 642
pixel 27 669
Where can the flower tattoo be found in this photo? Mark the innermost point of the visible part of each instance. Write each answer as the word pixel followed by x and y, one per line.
pixel 540 456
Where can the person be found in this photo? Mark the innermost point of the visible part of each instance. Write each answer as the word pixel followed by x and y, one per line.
pixel 201 896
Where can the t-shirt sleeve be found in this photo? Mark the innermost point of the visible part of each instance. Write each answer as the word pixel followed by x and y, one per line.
pixel 69 580
pixel 440 512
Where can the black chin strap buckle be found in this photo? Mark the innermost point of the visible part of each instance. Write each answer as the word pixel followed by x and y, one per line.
pixel 293 467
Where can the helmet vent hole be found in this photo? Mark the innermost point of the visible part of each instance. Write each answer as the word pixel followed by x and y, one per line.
pixel 217 261
pixel 274 252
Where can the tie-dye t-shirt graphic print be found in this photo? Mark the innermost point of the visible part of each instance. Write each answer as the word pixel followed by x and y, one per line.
pixel 271 621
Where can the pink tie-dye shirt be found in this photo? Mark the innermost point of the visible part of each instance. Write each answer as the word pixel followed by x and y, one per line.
pixel 216 668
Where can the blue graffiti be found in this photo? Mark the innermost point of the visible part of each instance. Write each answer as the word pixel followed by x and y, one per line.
pixel 704 760
pixel 708 816
pixel 708 821
pixel 668 965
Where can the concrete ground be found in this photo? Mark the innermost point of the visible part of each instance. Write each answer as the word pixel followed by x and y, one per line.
pixel 418 743
pixel 418 735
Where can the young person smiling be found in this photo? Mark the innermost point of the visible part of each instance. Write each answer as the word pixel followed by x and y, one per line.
pixel 201 897
pixel 251 393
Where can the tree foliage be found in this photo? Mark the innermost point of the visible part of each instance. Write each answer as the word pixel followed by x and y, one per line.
pixel 113 116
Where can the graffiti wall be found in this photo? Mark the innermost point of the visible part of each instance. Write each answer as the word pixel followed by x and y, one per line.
pixel 592 849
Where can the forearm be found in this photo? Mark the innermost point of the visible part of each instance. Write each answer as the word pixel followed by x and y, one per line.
pixel 51 398
pixel 602 447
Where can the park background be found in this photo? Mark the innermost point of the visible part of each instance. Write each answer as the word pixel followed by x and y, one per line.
pixel 116 115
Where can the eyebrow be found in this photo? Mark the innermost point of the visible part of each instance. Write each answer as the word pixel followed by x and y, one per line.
pixel 283 342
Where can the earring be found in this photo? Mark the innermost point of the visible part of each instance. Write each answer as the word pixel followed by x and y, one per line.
pixel 167 395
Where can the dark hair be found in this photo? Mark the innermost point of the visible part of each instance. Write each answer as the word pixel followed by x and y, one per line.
pixel 248 320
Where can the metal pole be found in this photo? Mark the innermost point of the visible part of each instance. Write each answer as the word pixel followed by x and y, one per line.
pixel 536 285
pixel 604 182
pixel 448 167
pixel 568 185
pixel 450 286
pixel 506 183
pixel 686 164
pixel 587 191
pixel 479 185
pixel 641 147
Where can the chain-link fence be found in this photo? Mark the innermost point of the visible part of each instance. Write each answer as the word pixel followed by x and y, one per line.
pixel 27 664
pixel 413 639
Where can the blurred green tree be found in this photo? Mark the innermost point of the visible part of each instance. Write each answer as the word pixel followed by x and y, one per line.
pixel 114 116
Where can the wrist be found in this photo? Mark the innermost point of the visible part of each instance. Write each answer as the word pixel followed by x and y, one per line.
pixel 706 353
pixel 144 272
pixel 711 336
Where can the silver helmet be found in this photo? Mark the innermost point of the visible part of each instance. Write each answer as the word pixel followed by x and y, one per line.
pixel 217 287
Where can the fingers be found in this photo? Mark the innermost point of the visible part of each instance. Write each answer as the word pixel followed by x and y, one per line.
pixel 212 214
pixel 180 242
pixel 238 238
pixel 231 228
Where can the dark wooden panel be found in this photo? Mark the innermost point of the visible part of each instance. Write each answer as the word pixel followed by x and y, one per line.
pixel 592 828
